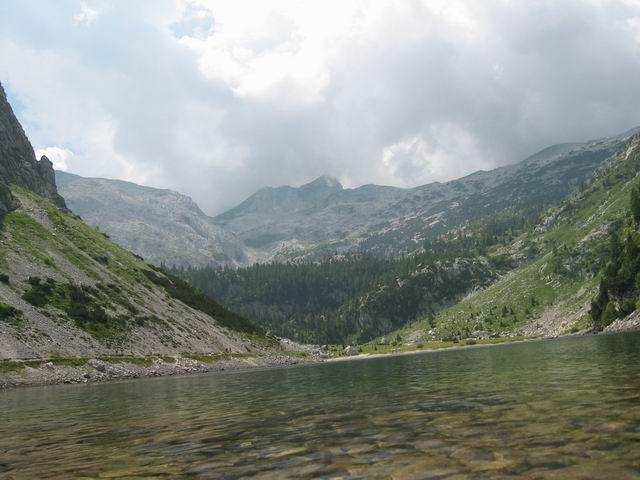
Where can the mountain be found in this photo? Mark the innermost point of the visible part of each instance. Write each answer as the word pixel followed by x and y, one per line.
pixel 283 200
pixel 18 164
pixel 160 225
pixel 322 218
pixel 67 291
pixel 506 275
pixel 358 296
pixel 576 270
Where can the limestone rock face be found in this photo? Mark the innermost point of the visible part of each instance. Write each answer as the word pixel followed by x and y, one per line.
pixel 18 163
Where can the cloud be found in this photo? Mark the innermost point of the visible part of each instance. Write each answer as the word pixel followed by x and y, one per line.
pixel 58 156
pixel 219 98
pixel 86 15
pixel 438 155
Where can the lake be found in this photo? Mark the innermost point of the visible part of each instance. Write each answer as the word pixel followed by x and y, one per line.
pixel 566 408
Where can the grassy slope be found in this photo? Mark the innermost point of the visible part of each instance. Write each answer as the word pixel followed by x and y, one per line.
pixel 561 295
pixel 67 290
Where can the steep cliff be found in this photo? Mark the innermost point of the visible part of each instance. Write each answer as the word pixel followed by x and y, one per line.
pixel 18 163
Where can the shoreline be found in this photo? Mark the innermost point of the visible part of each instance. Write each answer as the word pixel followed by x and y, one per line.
pixel 452 348
pixel 96 370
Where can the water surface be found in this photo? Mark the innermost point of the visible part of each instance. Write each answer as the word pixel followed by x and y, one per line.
pixel 568 408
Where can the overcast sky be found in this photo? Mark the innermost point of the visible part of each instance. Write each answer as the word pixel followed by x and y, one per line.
pixel 216 99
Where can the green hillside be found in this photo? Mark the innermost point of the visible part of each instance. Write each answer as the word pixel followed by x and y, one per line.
pixel 67 290
pixel 562 262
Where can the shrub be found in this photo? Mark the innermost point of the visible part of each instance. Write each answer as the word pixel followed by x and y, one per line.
pixel 39 294
pixel 4 278
pixel 7 311
pixel 628 307
pixel 102 259
pixel 609 316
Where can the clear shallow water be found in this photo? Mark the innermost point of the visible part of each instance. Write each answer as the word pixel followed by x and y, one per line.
pixel 568 408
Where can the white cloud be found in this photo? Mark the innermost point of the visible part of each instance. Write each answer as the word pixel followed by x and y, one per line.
pixel 60 157
pixel 217 98
pixel 277 50
pixel 86 15
pixel 444 152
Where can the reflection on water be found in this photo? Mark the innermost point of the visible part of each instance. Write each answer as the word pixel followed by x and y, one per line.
pixel 555 409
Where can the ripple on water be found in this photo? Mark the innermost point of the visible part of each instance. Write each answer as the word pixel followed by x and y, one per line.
pixel 546 410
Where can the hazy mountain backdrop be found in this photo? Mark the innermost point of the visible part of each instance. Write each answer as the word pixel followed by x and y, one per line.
pixel 323 218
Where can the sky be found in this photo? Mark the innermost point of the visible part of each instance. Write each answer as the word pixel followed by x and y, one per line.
pixel 216 99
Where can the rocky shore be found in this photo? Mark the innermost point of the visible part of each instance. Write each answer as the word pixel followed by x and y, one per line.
pixel 21 373
pixel 94 370
pixel 629 323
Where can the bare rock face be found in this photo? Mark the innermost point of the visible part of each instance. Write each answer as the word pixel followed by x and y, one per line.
pixel 160 225
pixel 18 163
pixel 7 201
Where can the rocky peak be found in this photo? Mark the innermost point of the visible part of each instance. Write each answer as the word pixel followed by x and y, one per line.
pixel 278 200
pixel 18 163
pixel 324 182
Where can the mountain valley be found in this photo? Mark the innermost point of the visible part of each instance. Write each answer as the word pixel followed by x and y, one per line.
pixel 324 264
pixel 473 258
pixel 520 273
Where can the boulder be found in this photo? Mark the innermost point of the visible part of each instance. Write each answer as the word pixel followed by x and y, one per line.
pixel 350 351
pixel 98 365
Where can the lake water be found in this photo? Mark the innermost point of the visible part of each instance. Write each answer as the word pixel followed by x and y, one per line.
pixel 568 408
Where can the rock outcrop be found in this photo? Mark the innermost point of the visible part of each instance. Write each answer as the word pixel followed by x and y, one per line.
pixel 18 163
pixel 7 201
pixel 350 351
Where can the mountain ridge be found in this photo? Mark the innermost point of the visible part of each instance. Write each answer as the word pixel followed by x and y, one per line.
pixel 390 220
pixel 321 217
